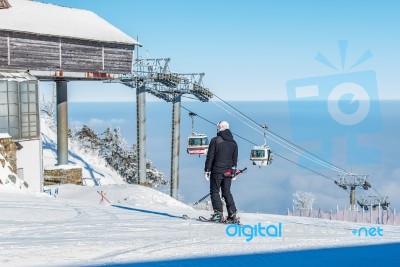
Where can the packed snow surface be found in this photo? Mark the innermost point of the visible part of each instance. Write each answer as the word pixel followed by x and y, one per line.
pixel 72 225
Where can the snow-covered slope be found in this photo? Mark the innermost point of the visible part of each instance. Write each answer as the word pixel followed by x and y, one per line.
pixel 141 225
pixel 93 166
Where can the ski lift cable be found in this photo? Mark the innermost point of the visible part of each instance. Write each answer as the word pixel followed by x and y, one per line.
pixel 246 123
pixel 282 144
pixel 294 151
pixel 298 153
pixel 287 147
pixel 376 191
pixel 302 166
pixel 255 129
pixel 282 138
pixel 309 158
pixel 316 157
pixel 288 142
pixel 327 177
pixel 261 132
pixel 214 124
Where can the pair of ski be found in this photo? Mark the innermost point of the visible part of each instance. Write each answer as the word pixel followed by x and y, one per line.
pixel 204 219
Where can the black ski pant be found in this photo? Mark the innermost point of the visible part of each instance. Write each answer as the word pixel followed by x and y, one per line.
pixel 219 182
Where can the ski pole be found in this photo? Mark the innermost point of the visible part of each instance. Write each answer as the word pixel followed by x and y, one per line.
pixel 237 173
pixel 241 171
pixel 201 199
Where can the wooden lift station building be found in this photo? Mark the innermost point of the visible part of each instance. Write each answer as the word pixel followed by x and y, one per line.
pixel 45 42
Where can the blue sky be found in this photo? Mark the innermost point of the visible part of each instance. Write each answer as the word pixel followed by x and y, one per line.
pixel 250 49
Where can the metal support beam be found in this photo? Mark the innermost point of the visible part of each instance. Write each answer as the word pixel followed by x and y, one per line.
pixel 141 134
pixel 176 121
pixel 352 198
pixel 152 75
pixel 62 123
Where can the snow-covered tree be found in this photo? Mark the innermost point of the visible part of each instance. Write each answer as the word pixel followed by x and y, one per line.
pixel 48 112
pixel 110 145
pixel 49 107
pixel 88 140
pixel 124 160
pixel 303 200
pixel 129 166
pixel 153 176
pixel 113 148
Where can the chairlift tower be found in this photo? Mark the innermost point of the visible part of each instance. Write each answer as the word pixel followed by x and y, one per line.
pixel 373 201
pixel 154 76
pixel 352 181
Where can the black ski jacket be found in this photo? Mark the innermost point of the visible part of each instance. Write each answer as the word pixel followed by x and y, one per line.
pixel 222 153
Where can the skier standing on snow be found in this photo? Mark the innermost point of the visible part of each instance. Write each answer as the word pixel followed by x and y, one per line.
pixel 220 163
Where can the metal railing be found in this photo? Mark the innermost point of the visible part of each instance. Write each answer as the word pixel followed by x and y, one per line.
pixel 377 215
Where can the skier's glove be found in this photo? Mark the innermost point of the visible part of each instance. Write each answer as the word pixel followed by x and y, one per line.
pixel 207 175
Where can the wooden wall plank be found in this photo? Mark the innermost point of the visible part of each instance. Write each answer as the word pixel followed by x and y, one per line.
pixel 3 50
pixel 29 51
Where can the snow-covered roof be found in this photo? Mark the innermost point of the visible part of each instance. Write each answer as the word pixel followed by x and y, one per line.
pixel 48 19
